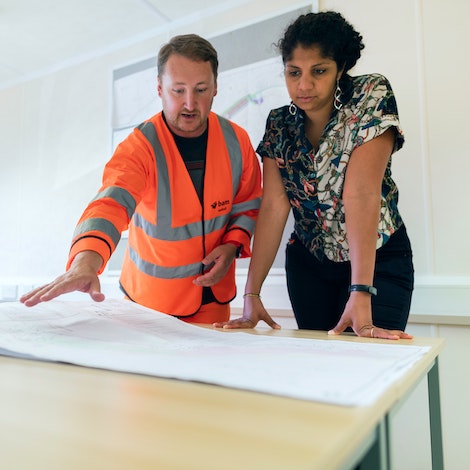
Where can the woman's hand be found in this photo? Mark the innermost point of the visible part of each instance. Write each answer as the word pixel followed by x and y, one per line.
pixel 253 312
pixel 358 315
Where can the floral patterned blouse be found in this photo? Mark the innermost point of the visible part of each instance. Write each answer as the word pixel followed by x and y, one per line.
pixel 314 180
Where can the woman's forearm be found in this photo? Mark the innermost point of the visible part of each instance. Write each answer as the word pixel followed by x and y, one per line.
pixel 268 234
pixel 270 225
pixel 362 199
pixel 362 216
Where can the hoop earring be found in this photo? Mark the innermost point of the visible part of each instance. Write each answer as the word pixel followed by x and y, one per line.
pixel 337 101
pixel 292 108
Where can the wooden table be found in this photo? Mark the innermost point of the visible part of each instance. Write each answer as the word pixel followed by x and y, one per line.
pixel 57 416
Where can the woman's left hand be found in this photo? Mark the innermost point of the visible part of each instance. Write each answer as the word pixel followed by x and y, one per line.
pixel 358 315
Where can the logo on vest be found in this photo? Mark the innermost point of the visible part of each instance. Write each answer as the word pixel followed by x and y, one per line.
pixel 220 205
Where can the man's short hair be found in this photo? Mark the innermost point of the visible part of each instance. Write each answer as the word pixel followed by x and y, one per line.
pixel 192 47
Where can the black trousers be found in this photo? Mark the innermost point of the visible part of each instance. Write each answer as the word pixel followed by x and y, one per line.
pixel 318 290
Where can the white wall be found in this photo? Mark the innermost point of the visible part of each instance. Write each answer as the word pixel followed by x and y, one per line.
pixel 56 136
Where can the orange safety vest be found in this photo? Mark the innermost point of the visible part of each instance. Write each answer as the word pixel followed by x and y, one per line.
pixel 147 188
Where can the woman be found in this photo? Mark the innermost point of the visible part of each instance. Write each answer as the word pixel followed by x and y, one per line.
pixel 328 156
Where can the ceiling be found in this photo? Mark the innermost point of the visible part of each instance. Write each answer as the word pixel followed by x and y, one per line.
pixel 38 37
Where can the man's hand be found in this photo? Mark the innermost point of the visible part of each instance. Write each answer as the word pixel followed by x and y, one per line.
pixel 217 263
pixel 80 277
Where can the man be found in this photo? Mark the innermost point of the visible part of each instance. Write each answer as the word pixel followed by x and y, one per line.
pixel 187 184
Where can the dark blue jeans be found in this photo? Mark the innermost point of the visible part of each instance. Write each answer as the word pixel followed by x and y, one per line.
pixel 318 290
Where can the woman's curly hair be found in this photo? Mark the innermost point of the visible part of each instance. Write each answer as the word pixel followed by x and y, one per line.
pixel 329 31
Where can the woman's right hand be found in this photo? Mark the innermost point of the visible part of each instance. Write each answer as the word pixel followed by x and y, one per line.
pixel 253 312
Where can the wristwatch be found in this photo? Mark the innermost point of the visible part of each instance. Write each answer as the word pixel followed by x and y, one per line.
pixel 363 288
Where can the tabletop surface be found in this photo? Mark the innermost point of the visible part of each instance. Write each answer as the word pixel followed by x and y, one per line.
pixel 58 416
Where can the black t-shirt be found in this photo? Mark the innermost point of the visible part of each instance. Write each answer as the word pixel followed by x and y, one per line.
pixel 193 151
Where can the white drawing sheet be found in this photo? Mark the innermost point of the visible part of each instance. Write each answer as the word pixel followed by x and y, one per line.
pixel 122 336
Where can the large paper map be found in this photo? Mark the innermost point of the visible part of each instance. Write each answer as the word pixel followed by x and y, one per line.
pixel 122 336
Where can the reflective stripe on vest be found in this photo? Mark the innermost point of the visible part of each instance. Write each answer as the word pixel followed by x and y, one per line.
pixel 99 225
pixel 122 197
